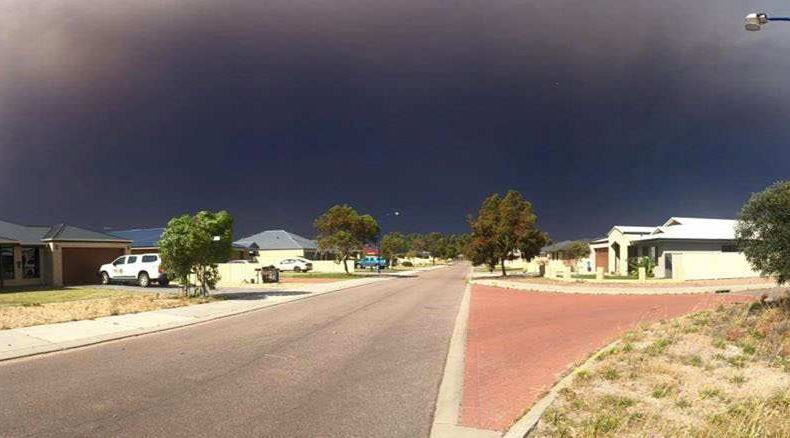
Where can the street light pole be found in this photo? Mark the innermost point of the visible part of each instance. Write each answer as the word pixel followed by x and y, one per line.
pixel 381 235
pixel 755 21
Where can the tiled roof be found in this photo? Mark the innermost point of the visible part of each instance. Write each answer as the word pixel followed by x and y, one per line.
pixel 278 239
pixel 141 237
pixel 26 235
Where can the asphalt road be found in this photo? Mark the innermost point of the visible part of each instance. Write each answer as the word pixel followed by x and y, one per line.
pixel 363 362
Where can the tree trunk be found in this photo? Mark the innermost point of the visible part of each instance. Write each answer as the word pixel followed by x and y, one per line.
pixel 345 263
pixel 504 272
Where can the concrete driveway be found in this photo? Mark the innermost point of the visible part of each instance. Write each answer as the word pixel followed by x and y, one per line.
pixel 519 343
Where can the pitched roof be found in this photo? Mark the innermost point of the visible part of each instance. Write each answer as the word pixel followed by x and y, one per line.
pixel 141 237
pixel 27 235
pixel 22 234
pixel 70 233
pixel 630 229
pixel 693 229
pixel 278 239
pixel 559 246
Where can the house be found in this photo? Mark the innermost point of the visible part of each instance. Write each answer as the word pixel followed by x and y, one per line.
pixel 695 249
pixel 612 252
pixel 276 245
pixel 559 252
pixel 54 256
pixel 146 240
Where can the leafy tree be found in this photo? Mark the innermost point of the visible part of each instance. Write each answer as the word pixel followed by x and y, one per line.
pixel 189 247
pixel 433 243
pixel 578 249
pixel 505 228
pixel 344 231
pixel 763 231
pixel 394 245
pixel 417 244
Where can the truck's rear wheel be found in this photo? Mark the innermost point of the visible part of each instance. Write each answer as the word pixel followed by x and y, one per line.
pixel 143 279
pixel 105 278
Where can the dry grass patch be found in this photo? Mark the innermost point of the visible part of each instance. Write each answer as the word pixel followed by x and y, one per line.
pixel 720 373
pixel 23 309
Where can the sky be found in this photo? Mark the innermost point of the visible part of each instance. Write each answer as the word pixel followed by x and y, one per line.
pixel 117 115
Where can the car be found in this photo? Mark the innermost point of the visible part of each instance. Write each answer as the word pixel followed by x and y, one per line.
pixel 296 264
pixel 372 262
pixel 142 269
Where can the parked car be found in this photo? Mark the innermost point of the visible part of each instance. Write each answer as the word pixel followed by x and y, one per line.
pixel 296 264
pixel 372 262
pixel 139 268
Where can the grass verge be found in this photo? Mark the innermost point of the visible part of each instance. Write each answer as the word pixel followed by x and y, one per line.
pixel 718 373
pixel 35 307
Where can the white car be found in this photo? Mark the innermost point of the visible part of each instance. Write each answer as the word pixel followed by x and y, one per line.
pixel 139 268
pixel 296 264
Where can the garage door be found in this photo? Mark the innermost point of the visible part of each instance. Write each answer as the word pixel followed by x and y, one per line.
pixel 81 265
pixel 602 258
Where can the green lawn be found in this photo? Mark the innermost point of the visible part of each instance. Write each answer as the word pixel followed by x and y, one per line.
pixel 31 297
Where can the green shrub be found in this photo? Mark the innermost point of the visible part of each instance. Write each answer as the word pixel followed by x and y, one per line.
pixel 634 263
pixel 407 264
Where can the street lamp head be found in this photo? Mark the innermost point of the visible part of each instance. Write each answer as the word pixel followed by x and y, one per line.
pixel 754 21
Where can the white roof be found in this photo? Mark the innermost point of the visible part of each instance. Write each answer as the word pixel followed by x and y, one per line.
pixel 693 229
pixel 629 229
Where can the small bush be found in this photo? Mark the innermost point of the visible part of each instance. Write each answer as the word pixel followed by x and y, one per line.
pixel 610 373
pixel 407 264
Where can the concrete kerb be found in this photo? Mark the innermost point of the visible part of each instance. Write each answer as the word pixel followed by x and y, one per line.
pixel 448 401
pixel 595 290
pixel 524 426
pixel 36 345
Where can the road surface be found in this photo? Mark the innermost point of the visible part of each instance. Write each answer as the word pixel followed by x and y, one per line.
pixel 363 362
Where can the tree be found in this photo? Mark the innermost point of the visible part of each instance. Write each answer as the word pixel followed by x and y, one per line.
pixel 394 245
pixel 763 231
pixel 343 231
pixel 578 249
pixel 505 228
pixel 189 246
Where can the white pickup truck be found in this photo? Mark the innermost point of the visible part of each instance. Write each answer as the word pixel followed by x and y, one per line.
pixel 140 268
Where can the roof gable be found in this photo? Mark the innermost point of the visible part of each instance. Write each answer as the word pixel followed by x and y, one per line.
pixel 631 229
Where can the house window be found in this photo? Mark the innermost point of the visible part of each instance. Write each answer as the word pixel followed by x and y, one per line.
pixel 729 248
pixel 7 262
pixel 31 263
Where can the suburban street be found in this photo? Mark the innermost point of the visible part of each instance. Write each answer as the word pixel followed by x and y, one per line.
pixel 360 362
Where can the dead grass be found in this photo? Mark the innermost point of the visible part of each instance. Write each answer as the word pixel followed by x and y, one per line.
pixel 720 373
pixel 35 308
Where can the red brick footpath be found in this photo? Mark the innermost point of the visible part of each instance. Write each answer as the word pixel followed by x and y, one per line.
pixel 520 343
